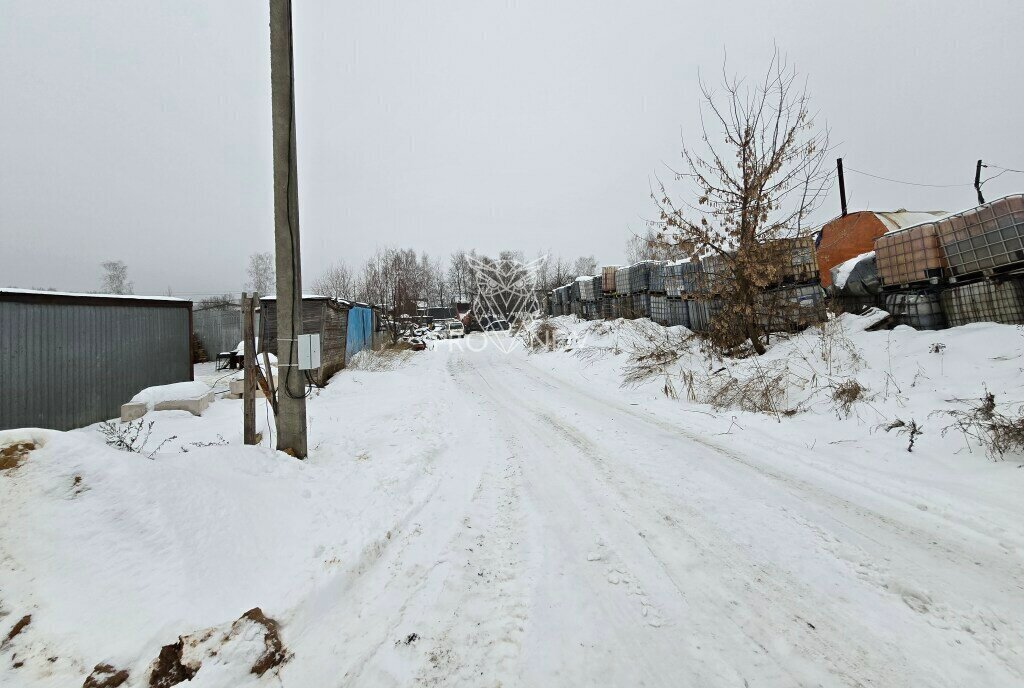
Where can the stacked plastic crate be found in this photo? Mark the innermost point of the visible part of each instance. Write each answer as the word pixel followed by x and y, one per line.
pixel 588 295
pixel 912 266
pixel 701 312
pixel 608 278
pixel 622 281
pixel 984 250
pixel 791 307
pixel 640 276
pixel 678 314
pixel 658 278
pixel 596 286
pixel 984 241
pixel 796 300
pixel 985 301
pixel 659 309
pixel 921 310
pixel 640 305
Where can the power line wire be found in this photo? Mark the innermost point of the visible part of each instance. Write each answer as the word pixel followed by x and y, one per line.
pixel 1004 169
pixel 900 181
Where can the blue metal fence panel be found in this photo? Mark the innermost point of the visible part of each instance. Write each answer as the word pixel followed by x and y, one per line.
pixel 66 363
pixel 360 331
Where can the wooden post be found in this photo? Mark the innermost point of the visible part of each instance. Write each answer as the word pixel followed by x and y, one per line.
pixel 249 367
pixel 271 383
pixel 977 183
pixel 842 185
pixel 291 402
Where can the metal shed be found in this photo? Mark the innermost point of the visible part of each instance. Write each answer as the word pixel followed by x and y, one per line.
pixel 321 315
pixel 69 360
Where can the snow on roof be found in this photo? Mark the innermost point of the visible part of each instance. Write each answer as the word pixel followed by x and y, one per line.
pixel 46 292
pixel 937 215
pixel 901 219
pixel 273 297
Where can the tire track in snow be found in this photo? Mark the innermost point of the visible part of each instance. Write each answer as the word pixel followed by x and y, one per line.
pixel 993 630
pixel 483 614
pixel 619 572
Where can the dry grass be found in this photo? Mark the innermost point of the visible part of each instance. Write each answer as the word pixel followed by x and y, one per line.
pixel 653 357
pixel 391 358
pixel 846 394
pixel 998 433
pixel 909 428
pixel 763 390
pixel 543 336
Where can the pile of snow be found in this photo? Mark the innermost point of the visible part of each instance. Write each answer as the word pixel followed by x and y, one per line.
pixel 151 396
pixel 903 374
pixel 571 333
pixel 114 555
pixel 138 551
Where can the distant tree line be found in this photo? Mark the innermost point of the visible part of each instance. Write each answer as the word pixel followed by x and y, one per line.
pixel 398 279
pixel 402 279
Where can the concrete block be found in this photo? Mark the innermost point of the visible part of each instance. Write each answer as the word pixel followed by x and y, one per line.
pixel 130 412
pixel 195 406
pixel 236 389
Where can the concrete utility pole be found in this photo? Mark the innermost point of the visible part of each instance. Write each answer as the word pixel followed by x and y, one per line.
pixel 291 416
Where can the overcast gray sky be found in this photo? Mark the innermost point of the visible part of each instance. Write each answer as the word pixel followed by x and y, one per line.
pixel 141 130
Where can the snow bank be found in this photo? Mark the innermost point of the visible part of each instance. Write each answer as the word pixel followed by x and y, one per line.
pixel 115 555
pixel 138 550
pixel 903 373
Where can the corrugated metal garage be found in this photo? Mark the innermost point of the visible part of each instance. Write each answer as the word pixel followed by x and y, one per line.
pixel 68 360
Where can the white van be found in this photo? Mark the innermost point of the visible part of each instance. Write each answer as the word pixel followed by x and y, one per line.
pixel 456 330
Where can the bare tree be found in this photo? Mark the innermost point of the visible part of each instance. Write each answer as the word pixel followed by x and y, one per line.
pixel 459 276
pixel 652 246
pixel 115 278
pixel 337 282
pixel 262 273
pixel 759 175
pixel 561 272
pixel 397 279
pixel 216 302
pixel 437 292
pixel 584 265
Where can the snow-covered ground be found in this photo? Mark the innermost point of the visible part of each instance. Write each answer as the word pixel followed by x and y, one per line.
pixel 478 517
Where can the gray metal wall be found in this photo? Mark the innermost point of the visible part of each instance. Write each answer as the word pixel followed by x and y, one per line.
pixel 218 329
pixel 66 365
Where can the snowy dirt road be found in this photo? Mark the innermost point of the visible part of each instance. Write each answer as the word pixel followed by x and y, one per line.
pixel 474 516
pixel 573 538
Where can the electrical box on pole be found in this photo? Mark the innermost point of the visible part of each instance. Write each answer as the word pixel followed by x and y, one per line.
pixel 309 351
